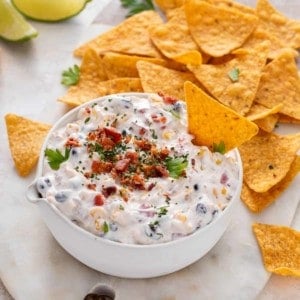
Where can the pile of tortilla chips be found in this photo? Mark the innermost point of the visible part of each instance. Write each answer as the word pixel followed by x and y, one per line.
pixel 234 66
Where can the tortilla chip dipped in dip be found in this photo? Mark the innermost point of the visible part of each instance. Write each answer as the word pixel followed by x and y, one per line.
pixel 214 124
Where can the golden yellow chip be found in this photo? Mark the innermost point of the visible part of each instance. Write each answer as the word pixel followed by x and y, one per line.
pixel 218 30
pixel 129 37
pixel 173 39
pixel 277 46
pixel 212 123
pixel 267 123
pixel 286 30
pixel 258 111
pixel 166 5
pixel 280 83
pixel 120 65
pixel 25 141
pixel 257 202
pixel 280 248
pixel 156 79
pixel 77 96
pixel 92 72
pixel 267 158
pixel 120 85
pixel 235 82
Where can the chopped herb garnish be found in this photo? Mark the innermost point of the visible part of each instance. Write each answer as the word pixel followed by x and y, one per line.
pixel 162 211
pixel 87 120
pixel 176 166
pixel 105 227
pixel 153 225
pixel 153 134
pixel 234 74
pixel 121 207
pixel 55 157
pixel 70 76
pixel 219 147
pixel 175 114
pixel 137 6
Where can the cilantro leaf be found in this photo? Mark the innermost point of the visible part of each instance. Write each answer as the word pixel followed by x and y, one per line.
pixel 219 147
pixel 162 211
pixel 55 157
pixel 105 227
pixel 70 76
pixel 176 166
pixel 137 6
pixel 234 74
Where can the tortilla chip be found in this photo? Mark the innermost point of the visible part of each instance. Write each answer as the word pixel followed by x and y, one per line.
pixel 166 5
pixel 25 141
pixel 218 30
pixel 268 123
pixel 276 45
pixel 267 158
pixel 92 72
pixel 238 94
pixel 173 39
pixel 258 111
pixel 211 122
pixel 257 202
pixel 77 97
pixel 279 246
pixel 129 37
pixel 286 30
pixel 287 119
pixel 280 83
pixel 121 65
pixel 169 82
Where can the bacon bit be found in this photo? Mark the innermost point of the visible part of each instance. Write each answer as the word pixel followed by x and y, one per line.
pixel 132 156
pixel 162 171
pixel 88 110
pixel 142 131
pixel 99 200
pixel 113 134
pixel 138 182
pixel 224 178
pixel 127 139
pixel 91 186
pixel 87 175
pixel 151 186
pixel 109 190
pixel 107 143
pixel 143 144
pixel 164 153
pixel 163 119
pixel 157 119
pixel 149 171
pixel 167 99
pixel 101 167
pixel 71 142
pixel 122 165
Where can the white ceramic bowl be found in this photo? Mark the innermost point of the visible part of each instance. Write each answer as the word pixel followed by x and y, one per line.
pixel 126 260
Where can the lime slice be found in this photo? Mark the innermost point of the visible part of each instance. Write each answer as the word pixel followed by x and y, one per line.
pixel 13 26
pixel 50 10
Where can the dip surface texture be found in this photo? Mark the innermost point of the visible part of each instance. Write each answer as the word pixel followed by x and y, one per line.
pixel 126 170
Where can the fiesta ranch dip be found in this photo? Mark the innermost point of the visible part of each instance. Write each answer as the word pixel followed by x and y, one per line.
pixel 126 170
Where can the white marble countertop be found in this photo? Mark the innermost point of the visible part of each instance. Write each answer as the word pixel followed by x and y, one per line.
pixel 34 266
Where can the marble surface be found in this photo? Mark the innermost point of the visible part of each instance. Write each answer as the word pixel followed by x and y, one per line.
pixel 34 266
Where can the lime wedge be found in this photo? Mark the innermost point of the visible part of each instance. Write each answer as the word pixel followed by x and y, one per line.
pixel 50 10
pixel 13 26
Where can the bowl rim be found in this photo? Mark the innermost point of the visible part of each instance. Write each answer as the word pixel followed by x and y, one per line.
pixel 62 121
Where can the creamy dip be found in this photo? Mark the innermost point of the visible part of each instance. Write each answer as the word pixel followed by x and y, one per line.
pixel 126 170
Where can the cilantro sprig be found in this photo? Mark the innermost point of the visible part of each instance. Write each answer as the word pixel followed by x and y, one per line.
pixel 55 157
pixel 137 6
pixel 234 74
pixel 219 147
pixel 176 166
pixel 70 76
